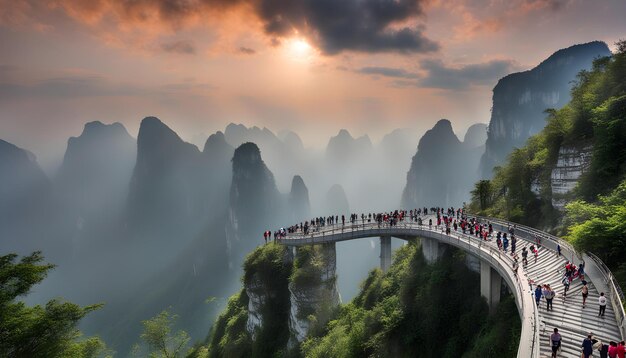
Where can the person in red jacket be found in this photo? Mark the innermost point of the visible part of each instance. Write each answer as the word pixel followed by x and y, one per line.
pixel 621 350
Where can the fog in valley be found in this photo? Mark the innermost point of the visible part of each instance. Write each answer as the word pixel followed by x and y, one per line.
pixel 143 224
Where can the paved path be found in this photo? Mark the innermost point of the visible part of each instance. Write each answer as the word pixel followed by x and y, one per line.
pixel 573 322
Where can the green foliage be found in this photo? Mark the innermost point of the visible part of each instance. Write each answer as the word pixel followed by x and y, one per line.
pixel 159 338
pixel 266 273
pixel 600 227
pixel 229 337
pixel 482 194
pixel 37 331
pixel 595 115
pixel 499 337
pixel 413 310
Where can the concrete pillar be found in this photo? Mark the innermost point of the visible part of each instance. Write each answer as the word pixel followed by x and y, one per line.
pixel 432 250
pixel 385 253
pixel 490 285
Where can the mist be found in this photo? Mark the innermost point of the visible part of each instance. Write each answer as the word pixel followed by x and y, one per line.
pixel 154 222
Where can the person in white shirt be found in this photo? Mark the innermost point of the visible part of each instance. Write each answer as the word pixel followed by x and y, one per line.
pixel 602 303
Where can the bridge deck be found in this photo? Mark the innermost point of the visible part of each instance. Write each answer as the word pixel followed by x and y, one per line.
pixel 573 322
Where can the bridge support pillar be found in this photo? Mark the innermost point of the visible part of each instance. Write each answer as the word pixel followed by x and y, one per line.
pixel 490 285
pixel 385 253
pixel 432 249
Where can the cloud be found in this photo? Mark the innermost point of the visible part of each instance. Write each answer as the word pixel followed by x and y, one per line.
pixel 552 5
pixel 181 47
pixel 388 72
pixel 439 75
pixel 333 26
pixel 246 50
pixel 356 25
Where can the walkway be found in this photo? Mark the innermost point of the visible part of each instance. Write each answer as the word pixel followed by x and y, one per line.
pixel 573 322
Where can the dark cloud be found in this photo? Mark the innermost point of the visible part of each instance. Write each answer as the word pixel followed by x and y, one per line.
pixel 247 51
pixel 179 47
pixel 332 25
pixel 554 5
pixel 388 72
pixel 442 76
pixel 356 25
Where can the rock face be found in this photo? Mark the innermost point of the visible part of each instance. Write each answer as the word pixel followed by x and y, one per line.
pixel 23 193
pixel 266 286
pixel 217 155
pixel 167 191
pixel 316 293
pixel 520 99
pixel 298 206
pixel 343 149
pixel 436 177
pixel 255 203
pixel 93 180
pixel 336 201
pixel 284 156
pixel 476 136
pixel 572 162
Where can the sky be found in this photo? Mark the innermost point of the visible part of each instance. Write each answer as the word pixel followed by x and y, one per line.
pixel 312 66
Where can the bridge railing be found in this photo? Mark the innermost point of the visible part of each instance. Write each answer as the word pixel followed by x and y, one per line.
pixel 474 244
pixel 592 266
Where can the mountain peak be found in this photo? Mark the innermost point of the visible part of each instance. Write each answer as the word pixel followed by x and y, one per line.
pixel 343 133
pixel 247 153
pixel 476 135
pixel 215 140
pixel 443 124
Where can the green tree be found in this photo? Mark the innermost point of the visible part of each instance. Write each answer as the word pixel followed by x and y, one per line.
pixel 48 331
pixel 159 339
pixel 482 194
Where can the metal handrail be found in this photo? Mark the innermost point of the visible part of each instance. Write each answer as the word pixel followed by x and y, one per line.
pixel 616 295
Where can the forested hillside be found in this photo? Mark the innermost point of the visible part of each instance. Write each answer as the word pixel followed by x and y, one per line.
pixel 591 128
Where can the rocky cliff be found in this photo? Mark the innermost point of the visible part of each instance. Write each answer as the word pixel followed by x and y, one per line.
pixel 312 290
pixel 438 173
pixel 299 207
pixel 572 162
pixel 520 99
pixel 255 202
pixel 92 183
pixel 24 189
pixel 336 201
pixel 170 185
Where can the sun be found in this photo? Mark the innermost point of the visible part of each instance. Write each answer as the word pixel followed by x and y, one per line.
pixel 299 49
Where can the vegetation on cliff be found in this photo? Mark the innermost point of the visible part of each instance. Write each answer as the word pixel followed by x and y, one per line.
pixel 521 190
pixel 421 310
pixel 415 309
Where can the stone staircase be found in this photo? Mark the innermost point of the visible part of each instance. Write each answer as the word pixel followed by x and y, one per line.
pixel 573 321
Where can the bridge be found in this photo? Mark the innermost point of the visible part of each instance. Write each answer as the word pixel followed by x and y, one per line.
pixel 574 322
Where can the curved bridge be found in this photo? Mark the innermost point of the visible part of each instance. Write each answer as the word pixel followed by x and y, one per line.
pixel 573 322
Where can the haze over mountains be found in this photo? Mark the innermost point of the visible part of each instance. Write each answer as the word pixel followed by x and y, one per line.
pixel 155 222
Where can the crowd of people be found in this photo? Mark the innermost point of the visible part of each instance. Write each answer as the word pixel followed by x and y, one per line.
pixel 448 219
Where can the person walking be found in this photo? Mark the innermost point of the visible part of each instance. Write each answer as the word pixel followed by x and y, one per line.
pixel 602 303
pixel 621 350
pixel 549 295
pixel 538 295
pixel 612 353
pixel 565 282
pixel 587 347
pixel 555 339
pixel 585 292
